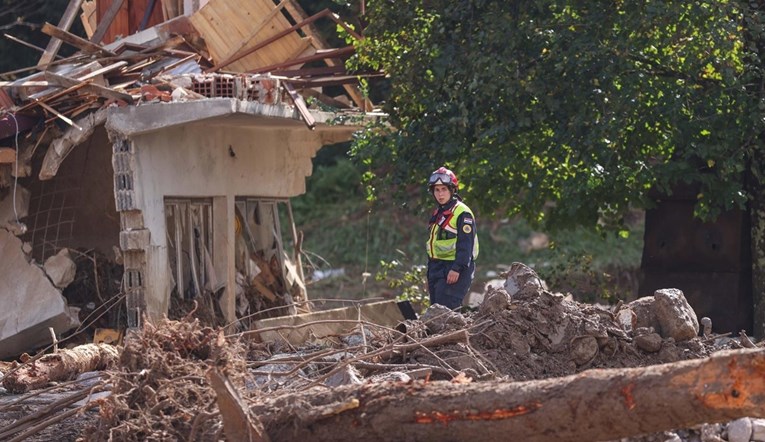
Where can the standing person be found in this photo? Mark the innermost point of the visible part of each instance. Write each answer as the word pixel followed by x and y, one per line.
pixel 452 242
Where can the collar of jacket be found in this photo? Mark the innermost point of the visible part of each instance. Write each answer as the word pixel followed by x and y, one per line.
pixel 449 204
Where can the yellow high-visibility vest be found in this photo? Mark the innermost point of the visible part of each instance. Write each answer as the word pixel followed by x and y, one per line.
pixel 445 248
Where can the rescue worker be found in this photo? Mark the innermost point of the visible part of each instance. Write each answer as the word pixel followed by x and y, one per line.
pixel 452 242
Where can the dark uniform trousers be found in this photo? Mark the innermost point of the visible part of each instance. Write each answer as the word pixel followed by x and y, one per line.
pixel 448 295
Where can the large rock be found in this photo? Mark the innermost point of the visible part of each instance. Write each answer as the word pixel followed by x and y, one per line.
pixel 675 315
pixel 645 317
pixel 60 268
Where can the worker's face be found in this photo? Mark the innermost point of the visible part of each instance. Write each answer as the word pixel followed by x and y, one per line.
pixel 441 193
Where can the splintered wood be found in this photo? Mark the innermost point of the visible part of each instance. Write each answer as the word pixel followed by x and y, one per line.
pixel 60 366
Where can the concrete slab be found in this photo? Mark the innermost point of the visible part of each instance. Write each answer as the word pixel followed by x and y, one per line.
pixel 8 215
pixel 29 303
pixel 384 313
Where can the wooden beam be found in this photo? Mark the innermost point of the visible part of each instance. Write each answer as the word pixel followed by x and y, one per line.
pixel 319 55
pixel 29 45
pixel 106 21
pixel 297 13
pixel 73 40
pixel 301 106
pixel 66 22
pixel 89 17
pixel 58 114
pixel 101 91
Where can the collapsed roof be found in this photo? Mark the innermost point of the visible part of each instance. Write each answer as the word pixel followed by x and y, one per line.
pixel 258 51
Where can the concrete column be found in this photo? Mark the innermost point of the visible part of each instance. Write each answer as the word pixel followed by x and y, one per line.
pixel 224 252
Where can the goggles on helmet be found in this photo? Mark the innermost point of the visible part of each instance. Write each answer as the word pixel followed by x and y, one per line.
pixel 442 177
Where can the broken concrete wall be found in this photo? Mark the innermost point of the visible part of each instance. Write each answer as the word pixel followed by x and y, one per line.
pixel 75 209
pixel 219 159
pixel 29 303
pixel 10 219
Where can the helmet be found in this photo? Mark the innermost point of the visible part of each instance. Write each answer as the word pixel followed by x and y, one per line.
pixel 444 176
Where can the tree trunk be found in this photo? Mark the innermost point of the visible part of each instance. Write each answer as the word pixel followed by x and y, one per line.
pixel 594 405
pixel 60 366
pixel 757 216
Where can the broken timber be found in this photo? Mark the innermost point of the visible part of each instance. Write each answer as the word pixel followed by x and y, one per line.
pixel 603 404
pixel 60 366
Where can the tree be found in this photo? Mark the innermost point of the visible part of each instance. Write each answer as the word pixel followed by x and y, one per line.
pixel 570 112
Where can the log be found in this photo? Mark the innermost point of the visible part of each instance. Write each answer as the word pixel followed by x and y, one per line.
pixel 61 366
pixel 602 404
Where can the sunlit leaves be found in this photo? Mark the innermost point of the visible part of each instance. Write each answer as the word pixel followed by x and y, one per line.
pixel 569 112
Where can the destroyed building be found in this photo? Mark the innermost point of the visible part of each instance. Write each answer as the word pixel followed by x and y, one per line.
pixel 170 149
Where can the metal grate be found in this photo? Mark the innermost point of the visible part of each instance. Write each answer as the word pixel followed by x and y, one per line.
pixel 52 210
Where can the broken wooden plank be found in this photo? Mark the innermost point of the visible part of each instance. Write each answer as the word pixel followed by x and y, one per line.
pixel 103 70
pixel 331 81
pixel 89 17
pixel 34 101
pixel 64 24
pixel 58 114
pixel 320 55
pixel 297 13
pixel 28 83
pixel 263 290
pixel 106 21
pixel 101 91
pixel 322 71
pixel 301 106
pixel 238 422
pixel 29 45
pixel 73 40
pixel 61 366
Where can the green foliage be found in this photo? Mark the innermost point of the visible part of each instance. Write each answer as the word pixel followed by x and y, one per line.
pixel 569 112
pixel 407 279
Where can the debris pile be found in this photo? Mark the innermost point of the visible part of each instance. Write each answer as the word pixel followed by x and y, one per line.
pixel 521 334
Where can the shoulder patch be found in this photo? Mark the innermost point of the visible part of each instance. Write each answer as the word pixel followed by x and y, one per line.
pixel 468 220
pixel 466 228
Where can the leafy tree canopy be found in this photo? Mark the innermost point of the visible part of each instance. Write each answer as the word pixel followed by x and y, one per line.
pixel 569 112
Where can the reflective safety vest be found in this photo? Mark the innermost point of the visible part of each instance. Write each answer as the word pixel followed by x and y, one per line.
pixel 442 240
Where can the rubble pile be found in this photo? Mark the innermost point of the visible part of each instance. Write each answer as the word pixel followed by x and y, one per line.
pixel 159 389
pixel 521 332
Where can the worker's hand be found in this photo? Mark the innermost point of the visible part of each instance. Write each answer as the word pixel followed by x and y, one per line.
pixel 452 277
